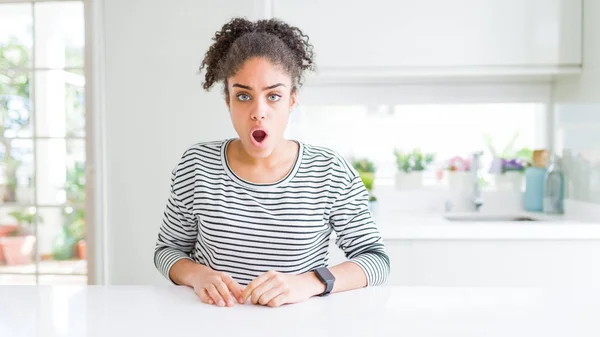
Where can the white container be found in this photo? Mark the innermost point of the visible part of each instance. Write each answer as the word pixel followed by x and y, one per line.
pixel 511 180
pixel 409 181
pixel 460 180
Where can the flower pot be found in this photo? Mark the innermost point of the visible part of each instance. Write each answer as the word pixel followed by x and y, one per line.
pixel 460 180
pixel 17 250
pixel 4 231
pixel 409 181
pixel 81 249
pixel 511 180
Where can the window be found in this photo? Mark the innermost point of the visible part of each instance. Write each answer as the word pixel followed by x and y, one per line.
pixel 42 143
pixel 446 130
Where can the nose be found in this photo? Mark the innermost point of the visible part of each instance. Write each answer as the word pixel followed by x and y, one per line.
pixel 259 110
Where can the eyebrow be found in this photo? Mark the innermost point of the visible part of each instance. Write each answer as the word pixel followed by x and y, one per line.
pixel 266 88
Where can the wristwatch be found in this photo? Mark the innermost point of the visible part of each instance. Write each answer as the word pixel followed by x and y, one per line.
pixel 327 278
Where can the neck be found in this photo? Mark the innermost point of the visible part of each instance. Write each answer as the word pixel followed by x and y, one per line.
pixel 275 158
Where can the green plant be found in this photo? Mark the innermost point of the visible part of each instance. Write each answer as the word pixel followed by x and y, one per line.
pixel 14 107
pixel 364 165
pixel 366 170
pixel 510 152
pixel 25 218
pixel 74 227
pixel 413 161
pixel 75 183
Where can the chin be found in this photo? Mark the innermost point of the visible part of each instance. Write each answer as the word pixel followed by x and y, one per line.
pixel 258 152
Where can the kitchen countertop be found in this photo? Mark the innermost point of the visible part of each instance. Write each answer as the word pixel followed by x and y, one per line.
pixel 416 226
pixel 379 311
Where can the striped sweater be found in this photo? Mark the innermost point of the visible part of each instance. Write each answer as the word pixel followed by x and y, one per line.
pixel 217 219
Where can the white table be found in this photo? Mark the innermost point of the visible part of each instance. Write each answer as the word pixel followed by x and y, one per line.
pixel 382 311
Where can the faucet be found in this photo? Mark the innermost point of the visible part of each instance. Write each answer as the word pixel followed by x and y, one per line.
pixel 476 198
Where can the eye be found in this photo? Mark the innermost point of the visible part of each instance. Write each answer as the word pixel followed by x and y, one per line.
pixel 243 97
pixel 274 97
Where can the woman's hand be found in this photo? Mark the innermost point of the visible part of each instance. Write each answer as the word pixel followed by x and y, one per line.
pixel 215 287
pixel 274 289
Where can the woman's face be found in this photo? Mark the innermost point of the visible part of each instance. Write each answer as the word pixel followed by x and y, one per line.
pixel 260 101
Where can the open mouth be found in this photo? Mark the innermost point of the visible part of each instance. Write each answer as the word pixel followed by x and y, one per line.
pixel 259 136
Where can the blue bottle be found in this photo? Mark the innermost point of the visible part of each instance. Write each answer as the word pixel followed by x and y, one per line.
pixel 533 198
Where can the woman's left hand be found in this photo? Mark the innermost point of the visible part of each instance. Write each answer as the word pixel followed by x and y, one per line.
pixel 274 289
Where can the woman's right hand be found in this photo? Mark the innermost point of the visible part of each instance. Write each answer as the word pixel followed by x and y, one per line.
pixel 214 287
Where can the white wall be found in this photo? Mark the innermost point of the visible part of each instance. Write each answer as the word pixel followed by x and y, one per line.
pixel 155 109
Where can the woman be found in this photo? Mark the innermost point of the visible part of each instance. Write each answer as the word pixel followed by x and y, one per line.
pixel 251 217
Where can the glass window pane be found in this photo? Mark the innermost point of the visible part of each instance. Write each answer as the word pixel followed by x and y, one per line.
pixel 60 171
pixel 15 104
pixel 446 130
pixel 15 36
pixel 60 103
pixel 61 236
pixel 16 171
pixel 17 279
pixel 59 34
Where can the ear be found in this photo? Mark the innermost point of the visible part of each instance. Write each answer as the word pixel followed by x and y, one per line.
pixel 227 101
pixel 293 99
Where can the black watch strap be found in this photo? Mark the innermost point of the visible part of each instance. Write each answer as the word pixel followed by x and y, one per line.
pixel 327 278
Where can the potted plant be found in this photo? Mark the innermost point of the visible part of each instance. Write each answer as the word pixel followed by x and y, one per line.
pixel 75 190
pixel 76 233
pixel 366 169
pixel 459 175
pixel 410 168
pixel 18 246
pixel 509 166
pixel 512 171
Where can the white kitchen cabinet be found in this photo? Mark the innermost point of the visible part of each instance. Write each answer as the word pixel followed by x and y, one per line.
pixel 385 36
pixel 491 262
pixel 504 263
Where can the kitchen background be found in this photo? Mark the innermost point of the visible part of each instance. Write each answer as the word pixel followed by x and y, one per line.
pixel 100 98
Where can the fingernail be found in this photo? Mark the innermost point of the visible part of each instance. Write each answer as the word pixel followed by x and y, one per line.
pixel 210 302
pixel 241 300
pixel 230 302
pixel 221 303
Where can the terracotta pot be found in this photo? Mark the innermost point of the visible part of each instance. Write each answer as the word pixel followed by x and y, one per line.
pixel 81 249
pixel 18 249
pixel 4 230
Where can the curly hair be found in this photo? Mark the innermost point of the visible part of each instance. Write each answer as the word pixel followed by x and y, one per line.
pixel 241 39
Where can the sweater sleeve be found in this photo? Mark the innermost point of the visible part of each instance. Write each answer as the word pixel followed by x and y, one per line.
pixel 357 233
pixel 179 229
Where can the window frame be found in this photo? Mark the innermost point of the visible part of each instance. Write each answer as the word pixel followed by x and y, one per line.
pixel 92 63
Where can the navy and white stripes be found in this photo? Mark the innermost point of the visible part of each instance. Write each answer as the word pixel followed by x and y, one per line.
pixel 244 229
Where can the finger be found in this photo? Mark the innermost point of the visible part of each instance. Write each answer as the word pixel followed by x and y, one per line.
pixel 214 295
pixel 235 288
pixel 270 294
pixel 204 296
pixel 263 288
pixel 224 291
pixel 255 283
pixel 279 300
